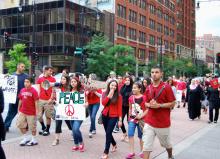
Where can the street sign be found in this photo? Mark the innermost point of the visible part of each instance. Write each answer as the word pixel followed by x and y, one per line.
pixel 78 51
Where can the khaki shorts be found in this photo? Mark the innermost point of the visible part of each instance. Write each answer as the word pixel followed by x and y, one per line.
pixel 43 106
pixel 25 121
pixel 149 134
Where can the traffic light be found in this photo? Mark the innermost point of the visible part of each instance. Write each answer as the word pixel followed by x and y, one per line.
pixel 218 58
pixel 6 37
pixel 35 57
pixel 78 51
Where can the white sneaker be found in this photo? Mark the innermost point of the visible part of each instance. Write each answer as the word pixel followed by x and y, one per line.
pixel 24 142
pixel 32 143
pixel 94 132
pixel 90 135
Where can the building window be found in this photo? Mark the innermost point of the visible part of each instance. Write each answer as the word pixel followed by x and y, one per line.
pixel 172 20
pixel 132 34
pixel 161 1
pixel 141 54
pixel 132 16
pixel 172 33
pixel 152 40
pixel 152 9
pixel 142 37
pixel 159 27
pixel 122 11
pixel 166 17
pixel 171 46
pixel 142 20
pixel 143 4
pixel 121 30
pixel 166 30
pixel 152 24
pixel 151 56
pixel 166 43
pixel 159 41
pixel 167 3
pixel 159 14
pixel 133 2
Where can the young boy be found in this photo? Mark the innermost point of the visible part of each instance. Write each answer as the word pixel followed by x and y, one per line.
pixel 28 108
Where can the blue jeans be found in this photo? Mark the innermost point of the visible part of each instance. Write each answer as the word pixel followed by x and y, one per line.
pixel 109 124
pixel 77 135
pixel 12 112
pixel 131 129
pixel 93 109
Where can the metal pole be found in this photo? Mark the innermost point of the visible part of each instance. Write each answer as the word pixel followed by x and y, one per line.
pixel 34 44
pixel 161 53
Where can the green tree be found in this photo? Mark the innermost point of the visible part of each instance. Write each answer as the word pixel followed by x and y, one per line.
pixel 17 55
pixel 98 62
pixel 123 58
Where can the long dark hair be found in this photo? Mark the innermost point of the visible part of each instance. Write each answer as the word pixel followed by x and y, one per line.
pixel 79 85
pixel 139 85
pixel 116 93
pixel 67 86
pixel 131 80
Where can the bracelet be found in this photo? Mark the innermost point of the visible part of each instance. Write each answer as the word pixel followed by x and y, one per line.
pixel 161 105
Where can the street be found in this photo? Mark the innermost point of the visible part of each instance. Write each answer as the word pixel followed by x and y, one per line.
pixel 184 134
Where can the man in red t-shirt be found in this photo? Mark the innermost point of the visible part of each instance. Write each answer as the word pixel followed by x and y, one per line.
pixel 46 99
pixel 27 109
pixel 181 91
pixel 159 101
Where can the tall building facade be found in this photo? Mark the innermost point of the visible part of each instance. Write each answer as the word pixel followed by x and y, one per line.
pixel 146 25
pixel 55 27
pixel 186 28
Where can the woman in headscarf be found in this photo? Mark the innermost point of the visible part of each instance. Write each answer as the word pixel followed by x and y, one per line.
pixel 193 97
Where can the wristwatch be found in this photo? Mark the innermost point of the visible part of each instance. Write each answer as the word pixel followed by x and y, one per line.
pixel 161 105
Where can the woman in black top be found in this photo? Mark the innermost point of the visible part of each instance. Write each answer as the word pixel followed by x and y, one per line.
pixel 125 91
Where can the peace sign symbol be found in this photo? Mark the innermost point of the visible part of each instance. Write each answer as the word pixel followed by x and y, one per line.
pixel 69 110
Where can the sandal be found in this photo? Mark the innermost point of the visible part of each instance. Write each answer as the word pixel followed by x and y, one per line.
pixel 55 142
pixel 124 138
pixel 104 156
pixel 114 148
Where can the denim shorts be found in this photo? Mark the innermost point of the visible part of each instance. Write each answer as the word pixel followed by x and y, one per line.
pixel 131 129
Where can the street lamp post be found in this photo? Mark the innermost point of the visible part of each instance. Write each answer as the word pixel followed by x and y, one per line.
pixel 33 41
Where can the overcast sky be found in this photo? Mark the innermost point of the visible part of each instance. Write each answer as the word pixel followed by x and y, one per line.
pixel 208 18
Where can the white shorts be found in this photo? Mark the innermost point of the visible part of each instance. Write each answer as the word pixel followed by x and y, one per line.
pixel 149 134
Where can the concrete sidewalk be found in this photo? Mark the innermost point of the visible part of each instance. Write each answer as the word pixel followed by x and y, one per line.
pixel 181 129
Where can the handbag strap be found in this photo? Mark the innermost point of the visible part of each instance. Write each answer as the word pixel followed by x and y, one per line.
pixel 159 93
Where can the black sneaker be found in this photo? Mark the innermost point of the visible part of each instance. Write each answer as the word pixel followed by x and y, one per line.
pixel 116 130
pixel 209 122
pixel 215 121
pixel 46 133
pixel 41 132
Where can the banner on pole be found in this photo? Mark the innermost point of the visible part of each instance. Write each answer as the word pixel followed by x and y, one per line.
pixel 9 84
pixel 70 106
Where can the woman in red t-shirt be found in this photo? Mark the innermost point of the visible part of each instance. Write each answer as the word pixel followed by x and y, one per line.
pixel 112 112
pixel 64 87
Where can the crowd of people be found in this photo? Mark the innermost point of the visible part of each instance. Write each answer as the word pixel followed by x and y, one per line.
pixel 145 104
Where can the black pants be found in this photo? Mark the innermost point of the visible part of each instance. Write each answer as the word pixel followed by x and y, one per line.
pixel 109 124
pixel 2 153
pixel 125 111
pixel 59 125
pixel 12 112
pixel 212 106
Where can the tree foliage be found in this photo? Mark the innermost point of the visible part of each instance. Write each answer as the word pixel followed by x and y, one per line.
pixel 17 55
pixel 103 57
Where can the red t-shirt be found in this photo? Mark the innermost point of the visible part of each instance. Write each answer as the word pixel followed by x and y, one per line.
pixel 113 109
pixel 159 118
pixel 45 94
pixel 93 98
pixel 181 85
pixel 28 98
pixel 140 101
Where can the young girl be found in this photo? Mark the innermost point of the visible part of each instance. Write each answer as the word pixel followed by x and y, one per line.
pixel 112 112
pixel 64 87
pixel 75 86
pixel 137 111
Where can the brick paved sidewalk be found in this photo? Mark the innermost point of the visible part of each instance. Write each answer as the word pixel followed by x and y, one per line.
pixel 181 129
